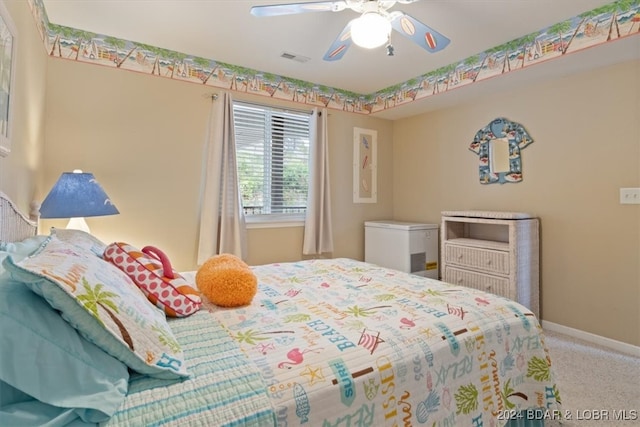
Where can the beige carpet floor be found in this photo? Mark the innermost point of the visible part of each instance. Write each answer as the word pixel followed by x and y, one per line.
pixel 598 386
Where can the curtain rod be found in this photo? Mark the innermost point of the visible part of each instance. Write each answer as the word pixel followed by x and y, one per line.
pixel 286 110
pixel 214 96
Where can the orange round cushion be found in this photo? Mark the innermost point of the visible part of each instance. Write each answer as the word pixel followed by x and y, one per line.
pixel 227 281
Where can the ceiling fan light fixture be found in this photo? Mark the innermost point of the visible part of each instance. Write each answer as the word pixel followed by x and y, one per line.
pixel 370 30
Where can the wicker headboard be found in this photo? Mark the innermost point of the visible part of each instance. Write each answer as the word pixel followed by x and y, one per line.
pixel 14 225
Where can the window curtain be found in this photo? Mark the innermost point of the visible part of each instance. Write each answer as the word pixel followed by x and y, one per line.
pixel 318 237
pixel 222 223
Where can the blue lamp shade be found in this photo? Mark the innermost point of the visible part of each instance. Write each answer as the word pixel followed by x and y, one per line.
pixel 76 194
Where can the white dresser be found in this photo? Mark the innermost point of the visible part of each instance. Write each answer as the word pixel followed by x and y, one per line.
pixel 497 252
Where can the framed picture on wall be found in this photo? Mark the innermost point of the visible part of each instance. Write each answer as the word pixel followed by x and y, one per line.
pixel 365 184
pixel 8 45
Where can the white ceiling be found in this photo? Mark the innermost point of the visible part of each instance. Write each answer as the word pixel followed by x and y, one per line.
pixel 224 30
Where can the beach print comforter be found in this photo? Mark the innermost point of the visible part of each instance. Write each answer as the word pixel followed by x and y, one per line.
pixel 347 344
pixel 343 343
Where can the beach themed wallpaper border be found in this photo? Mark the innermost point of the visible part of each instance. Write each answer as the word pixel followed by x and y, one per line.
pixel 617 20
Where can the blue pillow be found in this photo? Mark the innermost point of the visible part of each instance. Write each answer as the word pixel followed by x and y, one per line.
pixel 20 250
pixel 48 360
pixel 29 412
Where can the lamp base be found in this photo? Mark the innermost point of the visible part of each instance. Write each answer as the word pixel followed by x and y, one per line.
pixel 78 223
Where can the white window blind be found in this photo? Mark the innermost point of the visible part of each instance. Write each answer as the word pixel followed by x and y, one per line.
pixel 272 152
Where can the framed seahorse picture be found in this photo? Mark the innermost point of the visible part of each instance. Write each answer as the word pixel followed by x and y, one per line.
pixel 365 185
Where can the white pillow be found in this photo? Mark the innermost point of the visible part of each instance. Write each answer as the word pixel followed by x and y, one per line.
pixel 104 305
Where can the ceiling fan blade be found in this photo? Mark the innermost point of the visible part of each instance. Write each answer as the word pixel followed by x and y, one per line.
pixel 421 34
pixel 340 45
pixel 293 8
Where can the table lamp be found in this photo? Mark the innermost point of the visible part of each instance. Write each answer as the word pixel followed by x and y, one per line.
pixel 77 195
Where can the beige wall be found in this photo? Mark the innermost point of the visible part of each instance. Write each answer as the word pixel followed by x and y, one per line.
pixel 143 137
pixel 586 146
pixel 20 170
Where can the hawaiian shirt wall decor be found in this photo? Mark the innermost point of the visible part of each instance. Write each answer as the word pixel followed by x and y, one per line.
pixel 498 146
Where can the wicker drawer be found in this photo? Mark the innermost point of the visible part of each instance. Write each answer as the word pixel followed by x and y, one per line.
pixel 477 258
pixel 484 282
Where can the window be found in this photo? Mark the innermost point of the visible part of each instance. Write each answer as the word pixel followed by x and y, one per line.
pixel 272 154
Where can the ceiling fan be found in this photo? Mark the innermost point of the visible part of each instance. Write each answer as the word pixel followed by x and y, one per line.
pixel 372 29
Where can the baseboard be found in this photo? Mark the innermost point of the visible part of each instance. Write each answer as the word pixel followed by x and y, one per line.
pixel 620 346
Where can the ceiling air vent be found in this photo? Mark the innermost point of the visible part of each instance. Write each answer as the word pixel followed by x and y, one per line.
pixel 294 57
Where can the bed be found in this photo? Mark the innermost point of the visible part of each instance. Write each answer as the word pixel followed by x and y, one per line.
pixel 331 342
